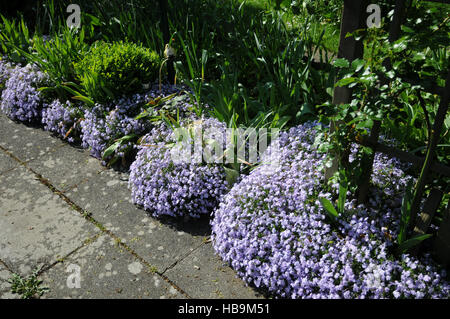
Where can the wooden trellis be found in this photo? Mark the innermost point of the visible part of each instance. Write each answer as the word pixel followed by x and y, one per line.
pixel 353 18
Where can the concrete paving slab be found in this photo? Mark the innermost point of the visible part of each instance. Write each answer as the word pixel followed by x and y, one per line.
pixel 203 275
pixel 5 274
pixel 7 162
pixel 105 271
pixel 37 226
pixel 108 199
pixel 5 286
pixel 25 142
pixel 66 167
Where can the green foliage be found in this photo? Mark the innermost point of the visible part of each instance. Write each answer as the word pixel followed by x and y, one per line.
pixel 56 56
pixel 29 287
pixel 14 39
pixel 335 213
pixel 390 85
pixel 325 10
pixel 322 17
pixel 329 208
pixel 394 95
pixel 194 74
pixel 108 20
pixel 110 70
pixel 412 242
pixel 110 152
pixel 273 79
pixel 233 45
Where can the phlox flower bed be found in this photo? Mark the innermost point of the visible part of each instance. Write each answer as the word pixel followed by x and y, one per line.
pixel 5 69
pixel 62 119
pixel 167 187
pixel 104 123
pixel 20 98
pixel 272 230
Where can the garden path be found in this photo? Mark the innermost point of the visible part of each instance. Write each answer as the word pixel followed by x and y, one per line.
pixel 64 213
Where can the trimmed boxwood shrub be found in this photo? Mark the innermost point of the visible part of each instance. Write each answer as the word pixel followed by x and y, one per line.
pixel 111 70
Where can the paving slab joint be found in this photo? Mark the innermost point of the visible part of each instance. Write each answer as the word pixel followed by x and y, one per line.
pixel 4 264
pixel 182 258
pixel 8 152
pixel 85 243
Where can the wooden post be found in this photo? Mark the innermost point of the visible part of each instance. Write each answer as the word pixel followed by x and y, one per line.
pixel 367 160
pixel 397 20
pixel 429 208
pixel 442 241
pixel 367 164
pixel 435 135
pixel 416 161
pixel 428 211
pixel 166 35
pixel 353 18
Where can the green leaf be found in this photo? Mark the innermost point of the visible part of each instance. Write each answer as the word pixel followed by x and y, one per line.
pixel 390 74
pixel 45 89
pixel 341 63
pixel 231 175
pixel 110 150
pixel 329 208
pixel 412 242
pixel 399 45
pixel 357 64
pixel 346 81
pixel 407 29
pixel 418 56
pixel 84 99
pixel 126 138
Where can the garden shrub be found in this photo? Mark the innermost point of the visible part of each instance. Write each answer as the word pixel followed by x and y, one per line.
pixel 62 119
pixel 112 70
pixel 273 230
pixel 21 99
pixel 165 187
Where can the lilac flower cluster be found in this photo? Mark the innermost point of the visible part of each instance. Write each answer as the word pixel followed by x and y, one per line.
pixel 5 70
pixel 20 98
pixel 167 187
pixel 272 229
pixel 60 118
pixel 104 123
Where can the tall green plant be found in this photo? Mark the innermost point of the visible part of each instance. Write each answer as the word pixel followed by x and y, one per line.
pixel 57 55
pixel 15 39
